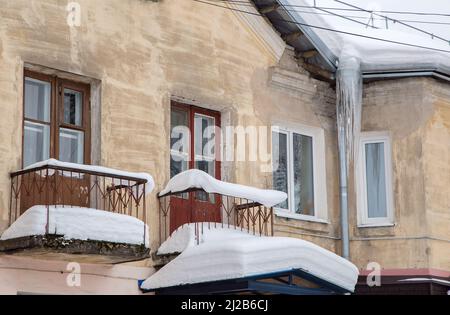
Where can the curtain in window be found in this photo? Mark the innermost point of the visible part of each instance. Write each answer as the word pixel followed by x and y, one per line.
pixel 179 141
pixel 204 146
pixel 280 165
pixel 71 146
pixel 303 175
pixel 376 180
pixel 36 136
pixel 36 143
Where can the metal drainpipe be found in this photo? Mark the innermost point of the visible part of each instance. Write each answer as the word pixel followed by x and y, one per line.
pixel 348 108
pixel 343 194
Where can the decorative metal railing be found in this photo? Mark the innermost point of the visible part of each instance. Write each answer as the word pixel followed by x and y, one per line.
pixel 71 187
pixel 239 213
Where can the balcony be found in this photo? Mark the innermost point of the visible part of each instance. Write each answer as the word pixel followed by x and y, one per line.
pixel 217 238
pixel 234 212
pixel 64 209
pixel 197 200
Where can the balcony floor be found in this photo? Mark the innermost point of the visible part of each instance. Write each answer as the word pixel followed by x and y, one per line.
pixel 55 247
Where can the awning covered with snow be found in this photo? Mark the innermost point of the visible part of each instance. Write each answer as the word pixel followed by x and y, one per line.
pixel 229 256
pixel 196 179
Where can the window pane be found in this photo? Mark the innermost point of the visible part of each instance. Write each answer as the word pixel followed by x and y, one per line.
pixel 178 164
pixel 280 165
pixel 73 106
pixel 179 143
pixel 204 136
pixel 36 143
pixel 303 175
pixel 37 99
pixel 179 126
pixel 376 180
pixel 208 167
pixel 179 118
pixel 204 133
pixel 71 146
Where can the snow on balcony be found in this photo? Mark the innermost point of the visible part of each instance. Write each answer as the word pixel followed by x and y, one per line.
pixel 194 197
pixel 191 234
pixel 78 209
pixel 197 179
pixel 80 224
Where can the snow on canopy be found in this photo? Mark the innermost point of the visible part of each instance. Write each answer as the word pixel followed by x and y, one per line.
pixel 377 55
pixel 198 179
pixel 149 186
pixel 224 254
pixel 79 224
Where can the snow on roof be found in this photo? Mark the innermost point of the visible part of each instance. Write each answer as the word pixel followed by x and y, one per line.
pixel 198 179
pixel 229 257
pixel 185 236
pixel 378 55
pixel 80 224
pixel 150 185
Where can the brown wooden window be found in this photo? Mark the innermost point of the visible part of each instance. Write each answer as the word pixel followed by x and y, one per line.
pixel 197 148
pixel 56 120
pixel 201 150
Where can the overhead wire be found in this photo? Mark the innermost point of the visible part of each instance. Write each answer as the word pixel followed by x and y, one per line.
pixel 323 13
pixel 349 9
pixel 215 4
pixel 395 21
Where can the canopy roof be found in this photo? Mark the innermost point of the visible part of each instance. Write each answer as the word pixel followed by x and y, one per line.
pixel 226 255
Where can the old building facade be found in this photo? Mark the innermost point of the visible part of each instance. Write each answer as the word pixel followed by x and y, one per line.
pixel 137 58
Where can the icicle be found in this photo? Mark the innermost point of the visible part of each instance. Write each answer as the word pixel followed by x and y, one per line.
pixel 349 105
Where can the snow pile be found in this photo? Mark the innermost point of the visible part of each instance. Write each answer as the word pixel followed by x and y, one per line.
pixel 79 224
pixel 238 257
pixel 185 236
pixel 198 179
pixel 149 186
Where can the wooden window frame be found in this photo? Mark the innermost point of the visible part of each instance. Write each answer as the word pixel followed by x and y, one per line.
pixel 191 111
pixel 57 85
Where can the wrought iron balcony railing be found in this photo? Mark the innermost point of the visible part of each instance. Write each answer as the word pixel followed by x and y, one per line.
pixel 76 187
pixel 205 209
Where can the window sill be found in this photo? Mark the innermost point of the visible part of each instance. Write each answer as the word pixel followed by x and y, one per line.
pixel 376 225
pixel 299 217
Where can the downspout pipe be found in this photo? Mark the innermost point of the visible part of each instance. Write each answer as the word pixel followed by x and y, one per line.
pixel 343 196
pixel 348 108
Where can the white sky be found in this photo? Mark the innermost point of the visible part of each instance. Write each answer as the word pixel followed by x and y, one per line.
pixel 433 6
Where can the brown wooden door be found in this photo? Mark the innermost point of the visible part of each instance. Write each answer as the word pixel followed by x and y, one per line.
pixel 197 130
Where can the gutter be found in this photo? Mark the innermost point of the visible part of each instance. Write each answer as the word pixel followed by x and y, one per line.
pixel 406 74
pixel 329 57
